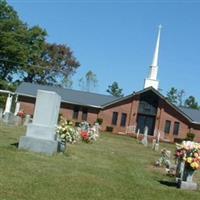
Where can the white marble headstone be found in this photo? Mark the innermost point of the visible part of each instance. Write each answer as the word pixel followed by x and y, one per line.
pixel 145 140
pixel 41 133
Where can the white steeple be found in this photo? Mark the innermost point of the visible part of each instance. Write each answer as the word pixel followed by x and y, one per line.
pixel 152 79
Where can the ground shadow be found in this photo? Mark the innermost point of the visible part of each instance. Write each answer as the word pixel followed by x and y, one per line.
pixel 168 183
pixel 15 144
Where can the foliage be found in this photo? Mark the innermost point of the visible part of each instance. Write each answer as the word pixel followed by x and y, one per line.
pixel 189 152
pixel 180 97
pixel 176 97
pixel 191 102
pixel 89 82
pixel 109 128
pixel 172 95
pixel 66 132
pixel 99 121
pixel 77 124
pixel 57 64
pixel 190 136
pixel 26 56
pixel 114 90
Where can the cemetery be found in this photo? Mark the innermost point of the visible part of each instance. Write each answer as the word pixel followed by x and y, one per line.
pixel 60 143
pixel 49 158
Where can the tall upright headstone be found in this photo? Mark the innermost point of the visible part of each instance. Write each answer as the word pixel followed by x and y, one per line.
pixel 138 133
pixel 41 133
pixel 145 139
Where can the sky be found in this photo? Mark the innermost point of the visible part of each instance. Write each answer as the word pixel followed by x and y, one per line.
pixel 116 39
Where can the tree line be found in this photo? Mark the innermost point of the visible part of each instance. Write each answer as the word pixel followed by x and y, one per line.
pixel 178 97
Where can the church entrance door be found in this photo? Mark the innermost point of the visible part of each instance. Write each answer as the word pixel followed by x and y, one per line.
pixel 146 120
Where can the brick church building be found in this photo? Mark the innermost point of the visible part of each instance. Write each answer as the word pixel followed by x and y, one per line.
pixel 125 115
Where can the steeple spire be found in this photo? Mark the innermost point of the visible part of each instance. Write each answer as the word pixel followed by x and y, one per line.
pixel 152 79
pixel 156 53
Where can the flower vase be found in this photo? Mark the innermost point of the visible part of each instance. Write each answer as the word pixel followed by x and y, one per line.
pixel 62 146
pixel 180 169
pixel 188 174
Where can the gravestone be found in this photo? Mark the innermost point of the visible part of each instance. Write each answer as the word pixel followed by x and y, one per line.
pixel 18 120
pixel 27 120
pixel 145 140
pixel 138 133
pixel 97 127
pixel 41 133
pixel 9 118
pixel 1 113
pixel 153 144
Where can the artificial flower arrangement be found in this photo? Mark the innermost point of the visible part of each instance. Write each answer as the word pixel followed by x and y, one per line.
pixel 88 134
pixel 67 132
pixel 189 152
pixel 21 114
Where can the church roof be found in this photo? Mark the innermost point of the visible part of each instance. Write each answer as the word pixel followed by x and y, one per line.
pixel 67 95
pixel 192 113
pixel 100 101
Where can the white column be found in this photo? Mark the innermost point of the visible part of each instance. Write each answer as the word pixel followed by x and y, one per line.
pixel 8 104
pixel 17 107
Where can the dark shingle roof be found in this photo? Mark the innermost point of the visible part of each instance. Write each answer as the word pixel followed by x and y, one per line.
pixel 192 113
pixel 68 95
pixel 98 100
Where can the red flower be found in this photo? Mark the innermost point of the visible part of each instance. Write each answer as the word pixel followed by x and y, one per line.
pixel 21 114
pixel 85 136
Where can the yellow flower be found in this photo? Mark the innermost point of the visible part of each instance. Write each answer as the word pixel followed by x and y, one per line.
pixel 194 165
pixel 189 159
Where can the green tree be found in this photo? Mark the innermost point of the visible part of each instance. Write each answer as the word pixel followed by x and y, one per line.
pixel 26 56
pixel 56 66
pixel 191 102
pixel 89 82
pixel 172 95
pixel 114 90
pixel 180 97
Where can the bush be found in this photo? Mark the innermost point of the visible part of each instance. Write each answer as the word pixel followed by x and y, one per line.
pixel 77 124
pixel 178 140
pixel 190 136
pixel 109 128
pixel 99 121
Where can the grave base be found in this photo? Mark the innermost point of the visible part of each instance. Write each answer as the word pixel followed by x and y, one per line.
pixel 185 185
pixel 48 147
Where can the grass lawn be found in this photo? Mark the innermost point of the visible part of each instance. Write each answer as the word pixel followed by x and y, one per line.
pixel 113 168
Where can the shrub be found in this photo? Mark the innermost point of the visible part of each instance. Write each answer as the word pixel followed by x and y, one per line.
pixel 109 128
pixel 190 136
pixel 178 140
pixel 99 121
pixel 77 124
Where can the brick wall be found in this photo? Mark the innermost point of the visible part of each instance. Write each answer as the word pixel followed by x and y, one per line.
pixel 130 107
